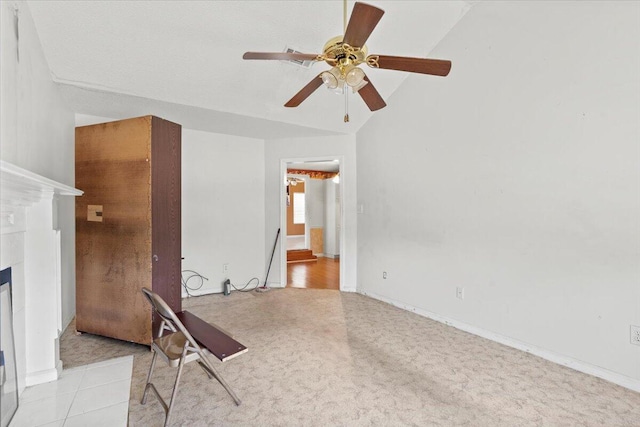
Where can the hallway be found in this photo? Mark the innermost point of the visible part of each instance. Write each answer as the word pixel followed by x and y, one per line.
pixel 321 274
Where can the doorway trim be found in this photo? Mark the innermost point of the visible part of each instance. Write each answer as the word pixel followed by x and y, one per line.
pixel 283 212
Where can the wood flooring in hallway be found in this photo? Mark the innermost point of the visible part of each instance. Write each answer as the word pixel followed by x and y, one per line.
pixel 322 274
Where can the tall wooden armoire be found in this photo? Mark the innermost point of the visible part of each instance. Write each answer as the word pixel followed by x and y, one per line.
pixel 128 232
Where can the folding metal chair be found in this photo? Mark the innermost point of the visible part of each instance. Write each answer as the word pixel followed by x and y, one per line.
pixel 176 348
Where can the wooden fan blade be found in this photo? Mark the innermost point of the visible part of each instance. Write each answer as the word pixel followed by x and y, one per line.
pixel 283 56
pixel 371 97
pixel 364 19
pixel 305 92
pixel 436 67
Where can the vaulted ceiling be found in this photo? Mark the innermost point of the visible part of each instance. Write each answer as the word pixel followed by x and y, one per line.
pixel 182 60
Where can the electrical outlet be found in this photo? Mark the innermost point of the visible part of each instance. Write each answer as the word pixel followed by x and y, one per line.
pixel 384 274
pixel 635 335
pixel 225 268
pixel 460 293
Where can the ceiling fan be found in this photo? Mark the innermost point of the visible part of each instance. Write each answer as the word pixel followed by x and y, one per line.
pixel 346 52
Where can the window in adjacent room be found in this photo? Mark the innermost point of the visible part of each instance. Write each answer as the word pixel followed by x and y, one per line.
pixel 298 208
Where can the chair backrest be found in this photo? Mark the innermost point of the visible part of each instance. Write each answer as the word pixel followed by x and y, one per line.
pixel 169 318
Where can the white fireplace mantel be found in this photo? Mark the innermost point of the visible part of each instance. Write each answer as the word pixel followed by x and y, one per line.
pixel 20 188
pixel 30 245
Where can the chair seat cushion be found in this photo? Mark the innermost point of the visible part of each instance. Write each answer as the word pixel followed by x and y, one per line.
pixel 171 345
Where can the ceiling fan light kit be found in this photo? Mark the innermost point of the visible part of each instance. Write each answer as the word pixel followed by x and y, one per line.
pixel 336 78
pixel 345 53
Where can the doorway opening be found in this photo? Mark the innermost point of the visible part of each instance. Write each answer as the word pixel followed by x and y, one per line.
pixel 311 218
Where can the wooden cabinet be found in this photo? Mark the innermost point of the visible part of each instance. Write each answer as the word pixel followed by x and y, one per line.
pixel 128 231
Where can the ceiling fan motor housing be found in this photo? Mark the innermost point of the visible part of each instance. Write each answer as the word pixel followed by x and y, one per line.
pixel 337 53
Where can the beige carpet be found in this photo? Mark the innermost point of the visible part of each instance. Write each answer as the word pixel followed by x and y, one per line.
pixel 325 358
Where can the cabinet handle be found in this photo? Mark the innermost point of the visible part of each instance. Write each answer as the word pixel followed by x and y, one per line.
pixel 155 258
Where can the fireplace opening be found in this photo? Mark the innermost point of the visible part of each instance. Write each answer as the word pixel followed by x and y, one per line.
pixel 8 370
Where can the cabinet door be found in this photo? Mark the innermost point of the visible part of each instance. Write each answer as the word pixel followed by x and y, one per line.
pixel 113 229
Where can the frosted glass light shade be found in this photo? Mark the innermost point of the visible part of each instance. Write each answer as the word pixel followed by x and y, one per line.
pixel 329 80
pixel 333 78
pixel 354 77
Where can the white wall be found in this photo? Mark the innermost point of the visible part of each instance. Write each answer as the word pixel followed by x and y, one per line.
pixel 314 204
pixel 314 189
pixel 333 147
pixel 222 208
pixel 36 133
pixel 332 229
pixel 517 178
pixel 36 128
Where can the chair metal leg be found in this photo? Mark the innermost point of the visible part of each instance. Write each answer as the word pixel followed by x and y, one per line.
pixel 175 391
pixel 205 369
pixel 150 386
pixel 209 367
pixel 146 387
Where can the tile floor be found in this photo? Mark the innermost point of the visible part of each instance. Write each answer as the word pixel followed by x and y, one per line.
pixel 90 395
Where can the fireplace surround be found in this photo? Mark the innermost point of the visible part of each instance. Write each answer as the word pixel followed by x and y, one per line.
pixel 30 245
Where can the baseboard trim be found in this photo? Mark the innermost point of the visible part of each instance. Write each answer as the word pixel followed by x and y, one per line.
pixel 45 376
pixel 211 291
pixel 200 292
pixel 275 285
pixel 578 365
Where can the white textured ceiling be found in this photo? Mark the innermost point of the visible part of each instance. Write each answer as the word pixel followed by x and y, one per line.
pixel 183 59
